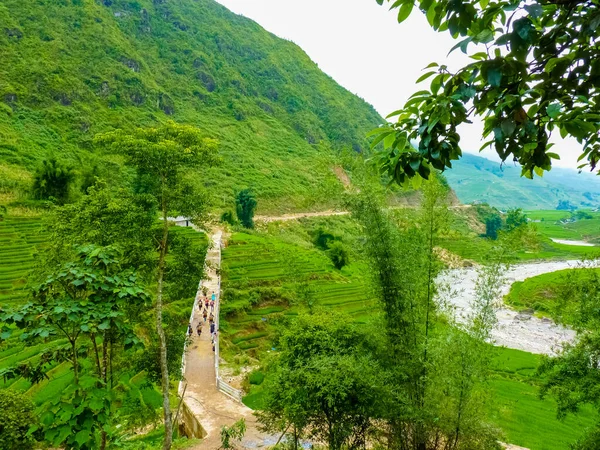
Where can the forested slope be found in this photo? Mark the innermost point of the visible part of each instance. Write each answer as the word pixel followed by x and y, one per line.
pixel 73 68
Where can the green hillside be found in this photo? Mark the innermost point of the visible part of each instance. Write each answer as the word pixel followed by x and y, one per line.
pixel 477 179
pixel 73 68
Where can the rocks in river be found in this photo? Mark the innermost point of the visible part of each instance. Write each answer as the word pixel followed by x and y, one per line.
pixel 523 317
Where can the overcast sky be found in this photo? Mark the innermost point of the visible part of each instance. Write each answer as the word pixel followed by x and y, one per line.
pixel 361 45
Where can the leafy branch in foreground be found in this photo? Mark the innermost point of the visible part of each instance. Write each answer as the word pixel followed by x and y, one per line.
pixel 535 71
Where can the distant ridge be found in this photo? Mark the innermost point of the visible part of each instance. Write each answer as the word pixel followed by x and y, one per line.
pixel 477 179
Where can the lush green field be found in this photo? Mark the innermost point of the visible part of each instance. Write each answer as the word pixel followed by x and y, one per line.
pixel 516 408
pixel 580 230
pixel 260 270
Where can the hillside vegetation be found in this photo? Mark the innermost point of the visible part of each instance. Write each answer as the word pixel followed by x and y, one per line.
pixel 477 179
pixel 73 68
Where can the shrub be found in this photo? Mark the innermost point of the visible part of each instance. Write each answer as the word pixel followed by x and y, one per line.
pixel 323 238
pixel 16 418
pixel 256 377
pixel 245 206
pixel 52 180
pixel 338 254
pixel 228 217
pixel 493 224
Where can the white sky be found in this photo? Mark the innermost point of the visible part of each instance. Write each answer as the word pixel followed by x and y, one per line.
pixel 361 45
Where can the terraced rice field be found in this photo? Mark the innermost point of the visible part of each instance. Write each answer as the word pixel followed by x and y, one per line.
pixel 19 240
pixel 261 276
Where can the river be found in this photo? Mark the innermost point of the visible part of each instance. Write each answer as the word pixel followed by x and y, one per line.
pixel 513 330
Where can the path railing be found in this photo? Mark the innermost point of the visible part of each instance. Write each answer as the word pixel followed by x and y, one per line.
pixel 222 385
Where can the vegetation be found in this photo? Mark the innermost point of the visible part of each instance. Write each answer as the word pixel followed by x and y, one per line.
pixel 281 121
pixel 17 417
pixel 537 75
pixel 52 181
pixel 245 204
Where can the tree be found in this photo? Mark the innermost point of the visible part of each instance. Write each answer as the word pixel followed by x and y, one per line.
pixel 565 205
pixel 325 384
pixel 493 225
pixel 338 253
pixel 515 218
pixel 245 205
pixel 535 70
pixel 88 298
pixel 16 418
pixel 436 370
pixel 572 377
pixel 52 180
pixel 162 157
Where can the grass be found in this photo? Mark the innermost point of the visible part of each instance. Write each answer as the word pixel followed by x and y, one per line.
pixel 542 293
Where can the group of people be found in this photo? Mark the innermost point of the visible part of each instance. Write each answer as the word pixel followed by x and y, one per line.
pixel 207 309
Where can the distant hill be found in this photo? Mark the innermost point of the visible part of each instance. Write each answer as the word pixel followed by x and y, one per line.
pixel 73 68
pixel 477 179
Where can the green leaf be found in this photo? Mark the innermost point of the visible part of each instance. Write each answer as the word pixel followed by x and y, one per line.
pixel 553 110
pixel 82 437
pixel 405 11
pixel 494 76
pixel 425 76
pixel 508 127
pixel 534 10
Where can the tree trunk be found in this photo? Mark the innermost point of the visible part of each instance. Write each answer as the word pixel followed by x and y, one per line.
pixel 161 336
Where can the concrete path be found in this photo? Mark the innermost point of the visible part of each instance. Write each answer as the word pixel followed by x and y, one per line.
pixel 212 408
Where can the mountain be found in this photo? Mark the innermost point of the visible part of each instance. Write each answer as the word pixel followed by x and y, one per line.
pixel 74 68
pixel 477 179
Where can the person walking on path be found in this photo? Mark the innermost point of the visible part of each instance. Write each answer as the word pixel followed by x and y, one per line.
pixel 211 318
pixel 190 329
pixel 206 302
pixel 199 329
pixel 212 305
pixel 212 328
pixel 205 314
pixel 214 296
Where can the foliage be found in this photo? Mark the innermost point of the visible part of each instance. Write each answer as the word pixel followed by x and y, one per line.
pixel 16 419
pixel 339 255
pixel 93 298
pixel 515 218
pixel 325 383
pixel 203 65
pixel 52 181
pixel 245 204
pixel 234 432
pixel 493 225
pixel 228 217
pixel 533 71
pixel 572 376
pixel 565 205
pixel 162 158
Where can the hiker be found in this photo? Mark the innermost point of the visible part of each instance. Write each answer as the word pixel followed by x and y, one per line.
pixel 206 302
pixel 212 305
pixel 199 329
pixel 205 314
pixel 212 328
pixel 211 319
pixel 190 329
pixel 214 296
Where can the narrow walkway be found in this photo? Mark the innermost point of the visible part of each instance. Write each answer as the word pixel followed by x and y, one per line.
pixel 212 408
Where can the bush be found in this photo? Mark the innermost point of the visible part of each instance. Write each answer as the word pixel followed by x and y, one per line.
pixel 16 418
pixel 52 180
pixel 256 378
pixel 338 254
pixel 245 206
pixel 323 238
pixel 492 225
pixel 228 217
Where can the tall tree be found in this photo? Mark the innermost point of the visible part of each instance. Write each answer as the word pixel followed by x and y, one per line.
pixel 52 180
pixel 163 158
pixel 535 71
pixel 245 203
